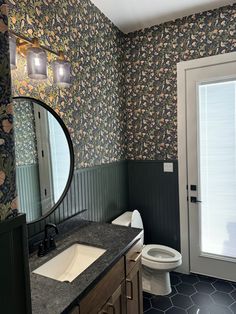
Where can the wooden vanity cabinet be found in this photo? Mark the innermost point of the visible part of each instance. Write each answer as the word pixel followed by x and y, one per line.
pixel 120 290
pixel 134 292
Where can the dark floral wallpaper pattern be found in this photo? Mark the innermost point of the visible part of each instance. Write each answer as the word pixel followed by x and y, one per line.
pixel 151 76
pixel 7 159
pixel 93 108
pixel 110 120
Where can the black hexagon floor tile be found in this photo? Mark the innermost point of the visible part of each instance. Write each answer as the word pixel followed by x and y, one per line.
pixel 210 296
pixel 222 298
pixel 174 279
pixel 233 308
pixel 201 299
pixel 204 287
pixel 233 284
pixel 153 311
pixel 173 291
pixel 175 310
pixel 191 279
pixel 217 309
pixel 161 303
pixel 233 295
pixel 223 286
pixel 185 288
pixel 147 295
pixel 181 301
pixel 146 304
pixel 206 278
pixel 198 310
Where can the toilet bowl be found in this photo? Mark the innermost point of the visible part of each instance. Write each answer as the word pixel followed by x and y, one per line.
pixel 157 260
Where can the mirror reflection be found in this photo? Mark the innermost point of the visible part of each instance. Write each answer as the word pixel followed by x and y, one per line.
pixel 42 158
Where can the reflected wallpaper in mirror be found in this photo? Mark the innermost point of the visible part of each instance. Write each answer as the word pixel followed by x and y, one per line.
pixel 42 158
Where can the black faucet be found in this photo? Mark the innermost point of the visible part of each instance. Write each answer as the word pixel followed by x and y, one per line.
pixel 48 244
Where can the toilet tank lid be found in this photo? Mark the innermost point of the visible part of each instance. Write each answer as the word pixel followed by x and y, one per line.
pixel 124 219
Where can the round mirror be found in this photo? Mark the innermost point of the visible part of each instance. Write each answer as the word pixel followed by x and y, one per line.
pixel 44 158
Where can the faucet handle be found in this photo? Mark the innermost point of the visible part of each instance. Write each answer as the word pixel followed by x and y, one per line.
pixel 48 226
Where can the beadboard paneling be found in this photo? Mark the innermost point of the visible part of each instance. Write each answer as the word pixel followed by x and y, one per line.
pixel 155 194
pixel 27 178
pixel 101 189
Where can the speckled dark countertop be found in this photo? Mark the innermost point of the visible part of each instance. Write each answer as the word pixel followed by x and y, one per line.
pixel 53 297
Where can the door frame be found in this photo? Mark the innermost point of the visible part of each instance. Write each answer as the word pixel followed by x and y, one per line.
pixel 182 68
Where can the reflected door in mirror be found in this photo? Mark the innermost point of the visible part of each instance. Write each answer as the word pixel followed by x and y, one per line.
pixel 43 159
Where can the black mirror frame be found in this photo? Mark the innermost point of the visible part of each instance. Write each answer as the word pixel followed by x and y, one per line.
pixel 72 159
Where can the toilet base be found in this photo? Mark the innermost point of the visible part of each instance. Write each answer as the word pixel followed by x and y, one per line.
pixel 156 282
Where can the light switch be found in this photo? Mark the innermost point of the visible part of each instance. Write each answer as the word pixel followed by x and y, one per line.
pixel 168 167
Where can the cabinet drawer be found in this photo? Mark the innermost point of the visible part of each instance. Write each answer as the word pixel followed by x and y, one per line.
pixel 133 255
pixel 98 296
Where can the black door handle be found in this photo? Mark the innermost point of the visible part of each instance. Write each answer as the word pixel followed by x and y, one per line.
pixel 193 199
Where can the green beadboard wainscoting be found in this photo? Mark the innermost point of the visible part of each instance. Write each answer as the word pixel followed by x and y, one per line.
pixel 102 190
pixel 155 194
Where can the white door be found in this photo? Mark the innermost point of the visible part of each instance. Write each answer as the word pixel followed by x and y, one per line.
pixel 211 168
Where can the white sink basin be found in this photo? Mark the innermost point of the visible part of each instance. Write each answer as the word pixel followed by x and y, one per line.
pixel 67 265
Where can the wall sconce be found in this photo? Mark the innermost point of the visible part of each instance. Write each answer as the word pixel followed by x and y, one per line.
pixel 61 71
pixel 12 48
pixel 37 60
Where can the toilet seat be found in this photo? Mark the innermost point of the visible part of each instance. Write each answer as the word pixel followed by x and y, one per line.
pixel 160 253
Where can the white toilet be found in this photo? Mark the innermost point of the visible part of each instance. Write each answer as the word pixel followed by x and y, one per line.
pixel 157 260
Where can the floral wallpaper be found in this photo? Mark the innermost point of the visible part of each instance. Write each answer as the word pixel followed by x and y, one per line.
pixel 122 103
pixel 93 108
pixel 8 203
pixel 151 86
pixel 25 134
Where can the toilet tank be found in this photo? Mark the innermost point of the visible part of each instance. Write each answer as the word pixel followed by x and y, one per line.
pixel 123 220
pixel 130 219
pixel 136 220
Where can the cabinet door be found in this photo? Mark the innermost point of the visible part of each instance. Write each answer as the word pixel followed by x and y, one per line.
pixel 134 294
pixel 116 303
pixel 106 287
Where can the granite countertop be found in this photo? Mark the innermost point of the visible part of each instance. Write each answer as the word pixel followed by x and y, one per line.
pixel 53 297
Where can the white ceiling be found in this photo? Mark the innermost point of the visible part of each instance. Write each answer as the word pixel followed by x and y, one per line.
pixel 131 15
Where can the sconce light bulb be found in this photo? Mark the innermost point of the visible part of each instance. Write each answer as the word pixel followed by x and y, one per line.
pixel 37 61
pixel 61 71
